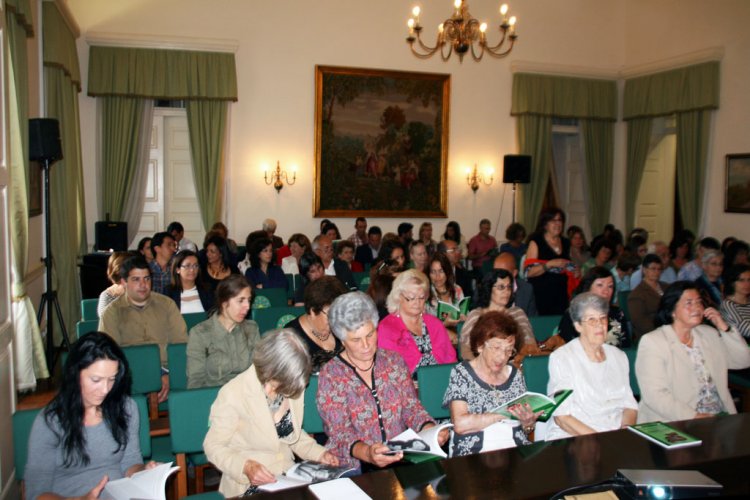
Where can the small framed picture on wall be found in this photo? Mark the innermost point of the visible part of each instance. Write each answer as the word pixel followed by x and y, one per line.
pixel 737 189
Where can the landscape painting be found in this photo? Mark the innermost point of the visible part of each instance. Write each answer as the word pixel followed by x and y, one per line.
pixel 381 143
pixel 738 183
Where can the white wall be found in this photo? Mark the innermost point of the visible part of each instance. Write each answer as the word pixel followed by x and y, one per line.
pixel 280 43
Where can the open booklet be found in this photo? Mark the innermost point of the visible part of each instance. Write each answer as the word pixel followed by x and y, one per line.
pixel 303 473
pixel 145 485
pixel 451 311
pixel 422 443
pixel 537 402
pixel 665 435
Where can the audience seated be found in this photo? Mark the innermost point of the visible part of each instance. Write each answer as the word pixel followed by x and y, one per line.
pixel 144 248
pixel 626 265
pixel 405 234
pixel 579 251
pixel 359 236
pixel 263 271
pixel 425 236
pixel 163 246
pixel 709 282
pixel 692 270
pixel 322 245
pixel 481 247
pixel 187 289
pixel 331 231
pixel 668 274
pixel 111 293
pixel 735 308
pixel 643 301
pixel 367 253
pixel 244 264
pixel 515 234
pixel 269 227
pixel 223 232
pixel 453 233
pixel 178 233
pixel 419 257
pixel 736 253
pixel 463 277
pixel 523 292
pixel 310 269
pixel 298 244
pixel 393 254
pixel 443 288
pixel 680 251
pixel 218 262
pixel 601 255
pixel 345 253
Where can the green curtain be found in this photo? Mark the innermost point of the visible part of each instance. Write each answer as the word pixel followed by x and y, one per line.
pixel 62 83
pixel 564 97
pixel 693 130
pixel 598 144
pixel 207 124
pixel 30 362
pixel 639 142
pixel 535 139
pixel 157 73
pixel 121 135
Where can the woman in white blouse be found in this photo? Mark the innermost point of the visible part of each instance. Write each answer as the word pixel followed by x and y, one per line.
pixel 598 374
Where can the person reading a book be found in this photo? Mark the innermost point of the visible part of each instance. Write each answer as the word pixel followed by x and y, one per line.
pixel 487 382
pixel 682 365
pixel 88 434
pixel 255 425
pixel 365 394
pixel 420 338
pixel 597 373
pixel 443 288
pixel 495 293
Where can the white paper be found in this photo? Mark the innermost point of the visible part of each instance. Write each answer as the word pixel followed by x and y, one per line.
pixel 338 489
pixel 283 483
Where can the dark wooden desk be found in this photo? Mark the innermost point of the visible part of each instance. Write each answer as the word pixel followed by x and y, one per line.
pixel 543 469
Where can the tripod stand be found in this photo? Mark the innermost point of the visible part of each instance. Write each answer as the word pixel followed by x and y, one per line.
pixel 49 297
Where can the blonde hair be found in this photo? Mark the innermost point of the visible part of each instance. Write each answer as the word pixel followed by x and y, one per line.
pixel 408 278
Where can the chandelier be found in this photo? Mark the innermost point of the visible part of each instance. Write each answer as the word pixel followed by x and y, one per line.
pixel 460 33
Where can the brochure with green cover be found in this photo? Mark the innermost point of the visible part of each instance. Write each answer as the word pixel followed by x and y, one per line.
pixel 537 402
pixel 665 435
pixel 451 311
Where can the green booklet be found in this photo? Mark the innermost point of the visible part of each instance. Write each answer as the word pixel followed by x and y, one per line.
pixel 537 402
pixel 446 309
pixel 665 435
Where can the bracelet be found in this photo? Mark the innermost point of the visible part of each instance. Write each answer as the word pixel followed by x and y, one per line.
pixel 528 429
pixel 544 266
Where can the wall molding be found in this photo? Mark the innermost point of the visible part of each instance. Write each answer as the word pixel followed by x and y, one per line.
pixel 697 57
pixel 161 42
pixel 565 70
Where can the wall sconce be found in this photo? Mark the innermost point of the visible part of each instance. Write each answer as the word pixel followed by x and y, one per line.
pixel 474 178
pixel 276 177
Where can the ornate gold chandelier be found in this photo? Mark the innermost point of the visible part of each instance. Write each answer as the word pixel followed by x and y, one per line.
pixel 460 33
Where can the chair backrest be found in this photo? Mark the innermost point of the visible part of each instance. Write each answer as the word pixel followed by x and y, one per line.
pixel 88 309
pixel 631 353
pixel 536 373
pixel 145 367
pixel 291 285
pixel 276 297
pixel 84 327
pixel 268 318
pixel 311 421
pixel 359 276
pixel 622 302
pixel 544 326
pixel 176 354
pixel 281 323
pixel 433 382
pixel 22 422
pixel 144 431
pixel 188 418
pixel 192 319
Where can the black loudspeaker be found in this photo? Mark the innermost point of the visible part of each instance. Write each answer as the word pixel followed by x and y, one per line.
pixel 516 169
pixel 111 235
pixel 44 140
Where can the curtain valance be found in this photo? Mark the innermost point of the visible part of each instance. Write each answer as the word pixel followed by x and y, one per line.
pixel 564 97
pixel 22 10
pixel 162 74
pixel 59 44
pixel 691 88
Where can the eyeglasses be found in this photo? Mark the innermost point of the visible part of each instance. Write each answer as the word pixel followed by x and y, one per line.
pixel 593 322
pixel 497 348
pixel 692 303
pixel 420 298
pixel 502 287
pixel 191 267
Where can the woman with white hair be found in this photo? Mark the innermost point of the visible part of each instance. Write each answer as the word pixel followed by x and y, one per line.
pixel 598 374
pixel 255 426
pixel 365 394
pixel 420 338
pixel 710 282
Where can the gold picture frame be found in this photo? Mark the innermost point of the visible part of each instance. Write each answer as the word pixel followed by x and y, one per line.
pixel 737 187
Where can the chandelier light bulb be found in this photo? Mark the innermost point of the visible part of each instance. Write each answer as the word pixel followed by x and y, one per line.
pixel 440 27
pixel 512 20
pixel 410 23
pixel 457 4
pixel 504 9
pixel 483 27
pixel 415 11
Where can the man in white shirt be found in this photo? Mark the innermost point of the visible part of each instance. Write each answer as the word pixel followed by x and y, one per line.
pixel 359 237
pixel 323 247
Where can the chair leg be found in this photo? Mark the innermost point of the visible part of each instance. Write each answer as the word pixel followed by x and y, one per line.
pixel 182 473
pixel 199 484
pixel 153 406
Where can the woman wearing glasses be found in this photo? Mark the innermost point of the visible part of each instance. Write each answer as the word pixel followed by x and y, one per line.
pixel 598 374
pixel 187 289
pixel 420 338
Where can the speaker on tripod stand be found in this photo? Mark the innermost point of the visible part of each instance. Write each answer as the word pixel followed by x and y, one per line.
pixel 516 170
pixel 45 148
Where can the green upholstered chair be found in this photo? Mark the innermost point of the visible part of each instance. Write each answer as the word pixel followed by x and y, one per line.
pixel 275 297
pixel 192 319
pixel 86 326
pixel 176 354
pixel 536 373
pixel 22 422
pixel 433 381
pixel 188 424
pixel 145 372
pixel 359 276
pixel 631 353
pixel 291 285
pixel 144 431
pixel 364 284
pixel 544 326
pixel 311 421
pixel 268 318
pixel 88 309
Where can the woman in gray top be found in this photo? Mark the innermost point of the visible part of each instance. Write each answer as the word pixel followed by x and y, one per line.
pixel 221 347
pixel 88 434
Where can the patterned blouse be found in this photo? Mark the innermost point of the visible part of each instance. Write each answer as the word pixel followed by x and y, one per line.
pixel 709 400
pixel 353 412
pixel 481 397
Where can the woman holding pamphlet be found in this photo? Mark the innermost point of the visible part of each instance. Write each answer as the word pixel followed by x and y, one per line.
pixel 682 365
pixel 447 300
pixel 597 373
pixel 255 426
pixel 487 382
pixel 88 434
pixel 365 394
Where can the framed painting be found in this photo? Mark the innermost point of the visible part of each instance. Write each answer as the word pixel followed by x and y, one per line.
pixel 381 143
pixel 737 190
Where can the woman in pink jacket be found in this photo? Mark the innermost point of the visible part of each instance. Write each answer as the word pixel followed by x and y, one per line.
pixel 420 338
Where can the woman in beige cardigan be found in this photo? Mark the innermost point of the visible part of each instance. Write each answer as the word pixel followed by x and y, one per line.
pixel 255 426
pixel 682 365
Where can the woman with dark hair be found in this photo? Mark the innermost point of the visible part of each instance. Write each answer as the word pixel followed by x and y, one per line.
pixel 548 265
pixel 298 244
pixel 310 269
pixel 88 434
pixel 599 281
pixel 682 365
pixel 681 251
pixel 312 326
pixel 735 308
pixel 221 347
pixel 453 233
pixel 331 230
pixel 643 301
pixel 144 248
pixel 218 263
pixel 735 254
pixel 602 253
pixel 345 253
pixel 263 271
pixel 579 250
pixel 515 234
pixel 187 289
pixel 220 229
pixel 443 288
pixel 391 254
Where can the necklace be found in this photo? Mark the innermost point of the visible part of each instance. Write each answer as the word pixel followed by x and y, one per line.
pixel 322 337
pixel 357 367
pixel 275 403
